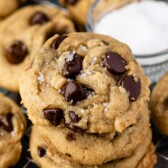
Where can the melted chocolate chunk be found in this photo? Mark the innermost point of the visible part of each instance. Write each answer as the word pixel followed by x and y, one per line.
pixel 67 154
pixel 71 2
pixel 38 18
pixel 88 90
pixel 131 86
pixel 41 151
pixel 6 122
pixel 74 118
pixel 17 52
pixel 71 137
pixel 165 104
pixel 74 128
pixel 73 66
pixel 55 44
pixel 105 42
pixel 114 63
pixel 74 92
pixel 54 115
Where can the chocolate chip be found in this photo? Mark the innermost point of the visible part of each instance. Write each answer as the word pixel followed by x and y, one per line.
pixel 71 2
pixel 74 92
pixel 38 18
pixel 54 115
pixel 74 118
pixel 114 63
pixel 72 66
pixel 88 90
pixel 60 32
pixel 55 44
pixel 6 122
pixel 17 52
pixel 105 42
pixel 74 128
pixel 41 151
pixel 71 137
pixel 131 86
pixel 67 154
pixel 165 104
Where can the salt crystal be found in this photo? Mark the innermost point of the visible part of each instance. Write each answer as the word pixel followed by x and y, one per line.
pixel 105 104
pixel 83 48
pixel 93 60
pixel 40 78
pixel 143 25
pixel 71 102
pixel 70 56
pixel 82 111
pixel 86 73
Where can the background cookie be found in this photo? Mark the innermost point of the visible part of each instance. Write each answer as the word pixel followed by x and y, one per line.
pixel 159 105
pixel 12 127
pixel 22 34
pixel 78 6
pixel 102 100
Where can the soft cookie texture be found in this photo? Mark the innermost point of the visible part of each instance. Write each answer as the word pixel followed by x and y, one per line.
pixel 96 149
pixel 159 105
pixel 12 127
pixel 86 82
pixel 22 34
pixel 142 157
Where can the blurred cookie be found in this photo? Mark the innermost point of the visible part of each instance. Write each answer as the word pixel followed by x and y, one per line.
pixel 159 105
pixel 91 81
pixel 6 7
pixel 142 157
pixel 22 34
pixel 78 9
pixel 12 128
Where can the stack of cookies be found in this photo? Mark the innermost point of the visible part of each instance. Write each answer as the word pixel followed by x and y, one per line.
pixel 87 97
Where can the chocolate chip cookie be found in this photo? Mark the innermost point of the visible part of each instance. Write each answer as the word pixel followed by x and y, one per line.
pixel 96 149
pixel 12 127
pixel 22 34
pixel 159 105
pixel 142 157
pixel 78 9
pixel 84 81
pixel 7 8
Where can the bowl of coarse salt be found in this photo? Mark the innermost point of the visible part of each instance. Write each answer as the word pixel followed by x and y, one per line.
pixel 143 25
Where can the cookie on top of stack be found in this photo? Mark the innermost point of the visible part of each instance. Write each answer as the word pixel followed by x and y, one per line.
pixel 87 96
pixel 22 34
